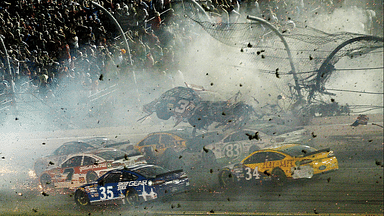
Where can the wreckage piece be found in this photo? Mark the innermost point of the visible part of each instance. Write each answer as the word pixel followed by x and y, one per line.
pixel 222 112
pixel 361 120
pixel 184 104
pixel 178 102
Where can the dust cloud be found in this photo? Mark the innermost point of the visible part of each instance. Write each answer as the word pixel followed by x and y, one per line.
pixel 73 111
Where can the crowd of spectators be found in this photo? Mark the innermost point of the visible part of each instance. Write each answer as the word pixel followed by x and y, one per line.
pixel 48 41
pixel 53 40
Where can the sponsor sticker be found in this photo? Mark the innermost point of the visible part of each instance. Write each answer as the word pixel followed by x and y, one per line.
pixel 322 167
pixel 124 185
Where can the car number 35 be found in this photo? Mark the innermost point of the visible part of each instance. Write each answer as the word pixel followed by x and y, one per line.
pixel 106 192
pixel 249 174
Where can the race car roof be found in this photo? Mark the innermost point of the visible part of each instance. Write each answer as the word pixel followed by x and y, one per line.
pixel 295 150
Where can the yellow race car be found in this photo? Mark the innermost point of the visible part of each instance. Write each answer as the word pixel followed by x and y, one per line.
pixel 291 161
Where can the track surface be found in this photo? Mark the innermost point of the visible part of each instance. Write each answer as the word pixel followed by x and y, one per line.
pixel 355 189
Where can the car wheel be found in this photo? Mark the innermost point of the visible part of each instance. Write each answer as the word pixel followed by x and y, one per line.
pixel 278 177
pixel 253 149
pixel 91 177
pixel 46 181
pixel 131 197
pixel 226 178
pixel 81 198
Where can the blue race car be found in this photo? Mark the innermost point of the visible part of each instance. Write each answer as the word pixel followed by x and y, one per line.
pixel 133 184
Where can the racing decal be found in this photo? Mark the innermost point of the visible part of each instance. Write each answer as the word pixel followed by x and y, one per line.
pixel 151 195
pixel 91 189
pixel 302 172
pixel 249 174
pixel 182 106
pixel 123 185
pixel 92 167
pixel 283 163
pixel 106 192
pixel 81 179
pixel 68 174
pixel 232 150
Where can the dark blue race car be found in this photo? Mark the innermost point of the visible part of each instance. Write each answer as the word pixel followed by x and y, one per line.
pixel 133 184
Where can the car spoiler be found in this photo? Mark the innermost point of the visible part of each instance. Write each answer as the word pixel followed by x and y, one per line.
pixel 318 151
pixel 168 173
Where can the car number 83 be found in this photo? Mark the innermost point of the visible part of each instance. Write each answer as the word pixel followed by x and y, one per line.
pixel 106 193
pixel 232 150
pixel 249 174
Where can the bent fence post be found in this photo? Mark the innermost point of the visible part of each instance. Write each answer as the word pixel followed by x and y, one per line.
pixel 8 75
pixel 200 8
pixel 326 66
pixel 124 38
pixel 297 87
pixel 119 27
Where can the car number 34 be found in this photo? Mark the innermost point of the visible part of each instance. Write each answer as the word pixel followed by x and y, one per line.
pixel 106 192
pixel 250 174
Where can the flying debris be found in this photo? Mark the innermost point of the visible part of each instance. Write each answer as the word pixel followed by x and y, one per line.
pixel 361 120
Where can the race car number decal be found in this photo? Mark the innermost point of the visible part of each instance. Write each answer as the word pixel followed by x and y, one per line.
pixel 182 106
pixel 249 174
pixel 232 150
pixel 106 192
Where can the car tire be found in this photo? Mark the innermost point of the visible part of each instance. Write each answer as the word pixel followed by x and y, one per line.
pixel 81 198
pixel 46 181
pixel 226 178
pixel 253 149
pixel 91 177
pixel 131 197
pixel 278 177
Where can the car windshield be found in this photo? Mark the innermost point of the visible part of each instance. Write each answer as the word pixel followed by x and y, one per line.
pixel 298 150
pixel 111 155
pixel 151 171
pixel 100 141
pixel 73 147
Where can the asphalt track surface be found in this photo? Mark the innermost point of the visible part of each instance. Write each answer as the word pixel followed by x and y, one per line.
pixel 355 189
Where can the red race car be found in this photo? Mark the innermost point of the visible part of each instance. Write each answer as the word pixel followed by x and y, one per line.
pixel 86 167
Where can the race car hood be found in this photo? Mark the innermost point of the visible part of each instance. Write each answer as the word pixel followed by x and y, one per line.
pixel 130 160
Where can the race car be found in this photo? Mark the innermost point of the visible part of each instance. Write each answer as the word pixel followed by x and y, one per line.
pixel 276 165
pixel 175 149
pixel 86 167
pixel 232 145
pixel 184 104
pixel 133 184
pixel 73 147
